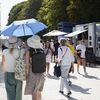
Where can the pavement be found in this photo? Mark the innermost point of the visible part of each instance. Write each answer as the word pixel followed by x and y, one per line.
pixel 83 87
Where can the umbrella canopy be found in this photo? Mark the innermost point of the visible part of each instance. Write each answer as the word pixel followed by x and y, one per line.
pixel 75 33
pixel 23 28
pixel 55 33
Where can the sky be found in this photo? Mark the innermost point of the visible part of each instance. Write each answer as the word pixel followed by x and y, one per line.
pixel 6 6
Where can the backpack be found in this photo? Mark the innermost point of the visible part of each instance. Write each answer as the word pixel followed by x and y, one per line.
pixel 38 61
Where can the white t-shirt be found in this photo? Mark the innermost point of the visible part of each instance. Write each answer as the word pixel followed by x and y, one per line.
pixel 10 59
pixel 82 48
pixel 67 58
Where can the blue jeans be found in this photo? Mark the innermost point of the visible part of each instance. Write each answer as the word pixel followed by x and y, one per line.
pixel 13 87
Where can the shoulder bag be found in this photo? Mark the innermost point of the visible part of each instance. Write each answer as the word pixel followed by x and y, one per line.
pixel 57 67
pixel 20 68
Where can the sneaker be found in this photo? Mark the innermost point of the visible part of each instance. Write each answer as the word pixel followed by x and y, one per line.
pixel 61 92
pixel 69 93
pixel 70 83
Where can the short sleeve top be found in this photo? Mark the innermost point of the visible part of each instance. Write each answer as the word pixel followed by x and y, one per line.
pixel 10 59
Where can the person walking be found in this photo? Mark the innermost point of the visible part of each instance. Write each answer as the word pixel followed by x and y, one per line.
pixel 72 49
pixel 34 81
pixel 56 46
pixel 48 51
pixel 53 49
pixel 9 56
pixel 81 59
pixel 64 59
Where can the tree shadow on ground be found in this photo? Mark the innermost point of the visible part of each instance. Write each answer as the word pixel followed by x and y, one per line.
pixel 93 66
pixel 53 77
pixel 68 98
pixel 73 77
pixel 91 77
pixel 72 98
pixel 80 89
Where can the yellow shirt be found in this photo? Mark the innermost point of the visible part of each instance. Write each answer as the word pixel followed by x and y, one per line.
pixel 71 48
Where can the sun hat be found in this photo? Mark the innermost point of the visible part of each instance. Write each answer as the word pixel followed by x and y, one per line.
pixel 69 39
pixel 34 42
pixel 63 41
pixel 13 42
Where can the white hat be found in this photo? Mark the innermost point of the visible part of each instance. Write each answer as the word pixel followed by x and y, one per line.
pixel 13 42
pixel 61 39
pixel 34 42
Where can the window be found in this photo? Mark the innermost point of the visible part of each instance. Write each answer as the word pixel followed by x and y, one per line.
pixel 90 43
pixel 90 38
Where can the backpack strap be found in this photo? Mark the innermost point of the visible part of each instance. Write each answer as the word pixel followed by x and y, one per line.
pixel 19 54
pixel 64 53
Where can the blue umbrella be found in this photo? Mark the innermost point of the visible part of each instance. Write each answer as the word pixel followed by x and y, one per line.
pixel 23 28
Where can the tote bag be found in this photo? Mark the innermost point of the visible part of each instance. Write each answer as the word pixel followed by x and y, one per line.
pixel 20 68
pixel 57 70
pixel 57 67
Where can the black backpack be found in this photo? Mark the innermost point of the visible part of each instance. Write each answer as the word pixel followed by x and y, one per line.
pixel 38 61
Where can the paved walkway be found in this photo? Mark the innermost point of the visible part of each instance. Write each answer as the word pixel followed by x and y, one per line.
pixel 83 87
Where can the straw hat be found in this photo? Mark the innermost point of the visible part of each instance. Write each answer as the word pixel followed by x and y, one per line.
pixel 13 42
pixel 34 42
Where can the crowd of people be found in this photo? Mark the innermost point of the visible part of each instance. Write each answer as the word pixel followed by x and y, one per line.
pixel 63 53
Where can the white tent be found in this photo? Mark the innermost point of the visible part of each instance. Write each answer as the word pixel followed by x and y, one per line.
pixel 75 33
pixel 55 33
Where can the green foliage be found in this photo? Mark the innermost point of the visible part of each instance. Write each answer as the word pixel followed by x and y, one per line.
pixel 24 10
pixel 84 10
pixel 52 12
pixel 32 7
pixel 15 11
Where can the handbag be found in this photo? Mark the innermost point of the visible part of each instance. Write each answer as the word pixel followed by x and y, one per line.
pixel 20 68
pixel 57 67
pixel 57 70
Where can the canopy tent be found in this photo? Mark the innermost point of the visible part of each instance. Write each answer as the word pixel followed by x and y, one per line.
pixel 97 27
pixel 55 33
pixel 75 33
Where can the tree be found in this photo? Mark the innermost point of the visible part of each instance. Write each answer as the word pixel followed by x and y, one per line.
pixel 15 11
pixel 83 11
pixel 24 10
pixel 32 8
pixel 52 12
